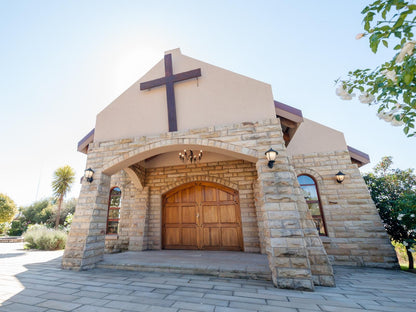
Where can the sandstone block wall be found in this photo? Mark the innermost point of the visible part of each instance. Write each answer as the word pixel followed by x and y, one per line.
pixel 296 256
pixel 356 235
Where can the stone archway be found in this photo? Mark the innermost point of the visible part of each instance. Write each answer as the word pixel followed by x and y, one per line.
pixel 202 215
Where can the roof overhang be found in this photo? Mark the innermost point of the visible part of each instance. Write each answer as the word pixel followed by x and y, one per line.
pixel 357 157
pixel 290 119
pixel 85 141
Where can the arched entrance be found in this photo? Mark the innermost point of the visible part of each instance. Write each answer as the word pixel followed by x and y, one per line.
pixel 202 215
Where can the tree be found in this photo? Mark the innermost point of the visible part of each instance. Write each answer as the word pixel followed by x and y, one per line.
pixel 394 193
pixel 63 178
pixel 392 85
pixel 38 212
pixel 68 207
pixel 7 208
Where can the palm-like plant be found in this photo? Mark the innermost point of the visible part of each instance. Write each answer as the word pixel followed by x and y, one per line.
pixel 63 178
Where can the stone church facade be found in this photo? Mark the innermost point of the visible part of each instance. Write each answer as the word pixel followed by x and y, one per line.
pixel 144 197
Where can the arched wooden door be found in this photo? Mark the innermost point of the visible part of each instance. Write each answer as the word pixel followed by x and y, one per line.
pixel 202 215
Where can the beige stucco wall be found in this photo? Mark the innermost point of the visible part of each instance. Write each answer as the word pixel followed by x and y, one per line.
pixel 312 137
pixel 217 97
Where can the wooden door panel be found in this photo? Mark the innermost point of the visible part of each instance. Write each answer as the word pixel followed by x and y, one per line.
pixel 224 196
pixel 189 214
pixel 189 237
pixel 172 214
pixel 209 193
pixel 229 237
pixel 212 237
pixel 173 236
pixel 175 198
pixel 202 215
pixel 228 214
pixel 209 214
pixel 188 195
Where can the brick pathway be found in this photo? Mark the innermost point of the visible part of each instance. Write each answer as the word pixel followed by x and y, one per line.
pixel 33 281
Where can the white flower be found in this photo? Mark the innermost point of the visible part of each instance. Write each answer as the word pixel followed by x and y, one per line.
pixel 385 116
pixel 412 215
pixel 406 50
pixel 411 250
pixel 366 98
pixel 390 74
pixel 359 36
pixel 405 243
pixel 391 117
pixel 397 123
pixel 343 94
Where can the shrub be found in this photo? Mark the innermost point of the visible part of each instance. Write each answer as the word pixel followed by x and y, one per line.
pixel 17 228
pixel 43 238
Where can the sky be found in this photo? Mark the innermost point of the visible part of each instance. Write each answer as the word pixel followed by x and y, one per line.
pixel 62 62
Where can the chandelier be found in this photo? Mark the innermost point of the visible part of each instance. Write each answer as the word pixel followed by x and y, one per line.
pixel 190 156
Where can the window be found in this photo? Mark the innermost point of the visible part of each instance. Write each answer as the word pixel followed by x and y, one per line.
pixel 113 217
pixel 310 192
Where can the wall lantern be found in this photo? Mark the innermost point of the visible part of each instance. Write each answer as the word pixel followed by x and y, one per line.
pixel 340 177
pixel 271 157
pixel 88 173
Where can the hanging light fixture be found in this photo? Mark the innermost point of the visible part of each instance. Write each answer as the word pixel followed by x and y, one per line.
pixel 271 157
pixel 189 155
pixel 340 177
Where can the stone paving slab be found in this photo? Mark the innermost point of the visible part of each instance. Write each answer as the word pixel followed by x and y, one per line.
pixel 24 277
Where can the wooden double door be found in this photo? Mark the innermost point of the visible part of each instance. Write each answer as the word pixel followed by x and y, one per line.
pixel 202 215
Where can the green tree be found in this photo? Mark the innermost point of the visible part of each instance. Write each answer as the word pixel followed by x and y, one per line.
pixel 392 85
pixel 68 207
pixel 63 178
pixel 394 193
pixel 7 208
pixel 38 212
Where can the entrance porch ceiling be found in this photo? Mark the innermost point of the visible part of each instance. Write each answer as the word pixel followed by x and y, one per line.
pixel 163 152
pixel 172 159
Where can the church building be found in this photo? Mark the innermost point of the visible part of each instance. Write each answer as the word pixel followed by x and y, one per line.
pixel 196 157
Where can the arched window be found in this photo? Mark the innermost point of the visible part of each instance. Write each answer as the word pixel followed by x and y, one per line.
pixel 113 217
pixel 310 192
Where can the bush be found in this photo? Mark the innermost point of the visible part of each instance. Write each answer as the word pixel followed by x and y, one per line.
pixel 43 238
pixel 17 228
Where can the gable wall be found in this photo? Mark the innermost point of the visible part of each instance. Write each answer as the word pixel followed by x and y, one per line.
pixel 218 97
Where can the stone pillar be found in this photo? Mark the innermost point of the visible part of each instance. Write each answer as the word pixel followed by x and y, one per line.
pixel 280 221
pixel 86 240
pixel 294 249
pixel 138 221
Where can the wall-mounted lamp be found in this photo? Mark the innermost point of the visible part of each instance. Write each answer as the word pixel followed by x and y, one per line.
pixel 271 157
pixel 340 177
pixel 88 173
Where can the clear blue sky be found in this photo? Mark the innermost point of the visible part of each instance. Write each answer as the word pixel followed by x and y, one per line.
pixel 62 62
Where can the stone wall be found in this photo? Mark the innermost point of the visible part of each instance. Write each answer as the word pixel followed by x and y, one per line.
pixel 356 235
pixel 296 255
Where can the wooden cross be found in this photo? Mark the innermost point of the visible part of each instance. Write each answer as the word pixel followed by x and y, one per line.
pixel 169 80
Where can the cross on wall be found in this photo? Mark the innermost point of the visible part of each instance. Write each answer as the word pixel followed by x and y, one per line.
pixel 169 81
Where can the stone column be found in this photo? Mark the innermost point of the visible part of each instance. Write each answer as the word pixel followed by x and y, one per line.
pixel 86 240
pixel 138 220
pixel 280 221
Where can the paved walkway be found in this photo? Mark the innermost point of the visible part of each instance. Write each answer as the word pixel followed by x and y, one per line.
pixel 33 281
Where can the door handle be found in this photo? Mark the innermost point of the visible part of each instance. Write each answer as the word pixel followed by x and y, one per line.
pixel 197 215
